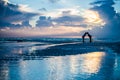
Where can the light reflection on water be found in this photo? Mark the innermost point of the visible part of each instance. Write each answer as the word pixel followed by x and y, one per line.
pixel 91 63
pixel 90 66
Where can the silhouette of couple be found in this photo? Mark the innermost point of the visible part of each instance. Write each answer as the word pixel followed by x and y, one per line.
pixel 87 34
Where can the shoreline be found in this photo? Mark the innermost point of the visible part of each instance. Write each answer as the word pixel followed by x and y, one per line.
pixel 66 49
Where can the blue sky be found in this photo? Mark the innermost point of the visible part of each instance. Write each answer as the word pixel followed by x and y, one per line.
pixel 48 4
pixel 37 4
pixel 59 18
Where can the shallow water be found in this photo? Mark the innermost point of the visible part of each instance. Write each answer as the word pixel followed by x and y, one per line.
pixel 89 66
pixel 95 65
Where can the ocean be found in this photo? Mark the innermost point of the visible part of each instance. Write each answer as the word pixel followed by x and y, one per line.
pixel 58 59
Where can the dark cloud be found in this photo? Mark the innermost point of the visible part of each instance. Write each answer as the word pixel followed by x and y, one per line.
pixel 70 20
pixel 10 13
pixel 66 13
pixel 42 9
pixel 112 19
pixel 66 19
pixel 105 8
pixel 53 1
pixel 103 2
pixel 44 22
pixel 26 23
pixel 5 24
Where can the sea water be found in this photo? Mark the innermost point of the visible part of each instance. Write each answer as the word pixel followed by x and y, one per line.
pixel 22 65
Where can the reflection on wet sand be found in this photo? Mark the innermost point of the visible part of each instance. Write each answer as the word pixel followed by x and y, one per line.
pixel 4 71
pixel 117 68
pixel 89 66
pixel 92 62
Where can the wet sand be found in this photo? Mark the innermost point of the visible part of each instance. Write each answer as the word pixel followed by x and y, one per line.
pixel 59 61
pixel 63 49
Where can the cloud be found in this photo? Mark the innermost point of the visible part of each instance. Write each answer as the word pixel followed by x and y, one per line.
pixel 70 17
pixel 53 1
pixel 64 17
pixel 42 9
pixel 41 31
pixel 103 2
pixel 26 23
pixel 76 18
pixel 11 13
pixel 5 24
pixel 70 20
pixel 44 22
pixel 107 12
pixel 105 8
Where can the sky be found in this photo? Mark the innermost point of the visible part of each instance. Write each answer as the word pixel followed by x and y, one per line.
pixel 59 18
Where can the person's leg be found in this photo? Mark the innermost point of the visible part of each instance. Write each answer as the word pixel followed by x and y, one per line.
pixel 90 39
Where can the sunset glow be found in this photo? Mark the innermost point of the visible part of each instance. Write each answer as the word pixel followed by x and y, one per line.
pixel 58 17
pixel 93 18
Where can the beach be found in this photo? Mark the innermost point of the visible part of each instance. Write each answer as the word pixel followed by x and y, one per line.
pixel 59 59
